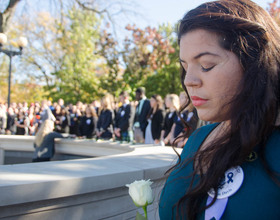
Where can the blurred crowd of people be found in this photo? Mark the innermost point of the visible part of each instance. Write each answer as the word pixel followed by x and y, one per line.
pixel 150 121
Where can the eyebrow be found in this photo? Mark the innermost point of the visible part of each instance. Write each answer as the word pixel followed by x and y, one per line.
pixel 200 55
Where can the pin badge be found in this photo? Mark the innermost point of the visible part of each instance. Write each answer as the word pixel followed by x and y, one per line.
pixel 230 184
pixel 252 156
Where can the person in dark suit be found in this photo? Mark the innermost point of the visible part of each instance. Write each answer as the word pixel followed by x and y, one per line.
pixel 87 123
pixel 172 105
pixel 155 121
pixel 141 113
pixel 105 120
pixel 123 115
pixel 189 115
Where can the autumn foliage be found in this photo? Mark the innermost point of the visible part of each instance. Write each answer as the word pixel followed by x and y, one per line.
pixel 274 10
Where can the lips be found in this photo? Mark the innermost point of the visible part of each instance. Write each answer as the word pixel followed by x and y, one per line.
pixel 197 101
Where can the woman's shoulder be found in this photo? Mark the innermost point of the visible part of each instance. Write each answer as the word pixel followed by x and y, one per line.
pixel 105 111
pixel 202 131
pixel 109 111
pixel 273 150
pixel 160 111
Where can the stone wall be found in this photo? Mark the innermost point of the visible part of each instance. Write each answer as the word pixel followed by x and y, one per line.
pixel 91 188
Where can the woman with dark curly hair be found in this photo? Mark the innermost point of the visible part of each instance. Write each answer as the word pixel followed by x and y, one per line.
pixel 230 59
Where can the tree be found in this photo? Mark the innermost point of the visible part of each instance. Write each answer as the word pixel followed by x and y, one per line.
pixel 43 54
pixel 50 54
pixel 145 55
pixel 274 10
pixel 111 80
pixel 77 37
pixel 166 80
pixel 7 13
pixel 73 59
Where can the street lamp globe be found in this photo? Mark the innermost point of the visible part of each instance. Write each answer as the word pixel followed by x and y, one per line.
pixel 3 39
pixel 22 42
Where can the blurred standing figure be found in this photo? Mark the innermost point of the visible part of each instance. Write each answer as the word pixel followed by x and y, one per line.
pixel 105 120
pixel 46 112
pixel 11 127
pixel 75 116
pixel 22 124
pixel 44 142
pixel 63 121
pixel 25 107
pixel 32 120
pixel 141 113
pixel 3 118
pixel 61 102
pixel 172 103
pixel 122 119
pixel 96 105
pixel 88 123
pixel 155 120
pixel 189 115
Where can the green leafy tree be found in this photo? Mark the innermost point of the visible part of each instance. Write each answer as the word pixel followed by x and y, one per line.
pixel 150 60
pixel 166 80
pixel 111 80
pixel 76 80
pixel 274 10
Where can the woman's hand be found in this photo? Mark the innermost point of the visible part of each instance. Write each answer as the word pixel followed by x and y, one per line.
pixel 156 141
pixel 181 143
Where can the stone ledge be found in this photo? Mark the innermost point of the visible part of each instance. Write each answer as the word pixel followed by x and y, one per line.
pixel 35 190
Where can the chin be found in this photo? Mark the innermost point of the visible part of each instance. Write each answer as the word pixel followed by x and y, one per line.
pixel 205 116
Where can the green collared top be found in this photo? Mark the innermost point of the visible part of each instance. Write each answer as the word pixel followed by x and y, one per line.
pixel 258 197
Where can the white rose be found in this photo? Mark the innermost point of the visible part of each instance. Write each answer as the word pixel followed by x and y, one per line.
pixel 141 192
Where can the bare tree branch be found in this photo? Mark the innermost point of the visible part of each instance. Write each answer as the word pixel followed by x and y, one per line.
pixel 83 5
pixel 6 15
pixel 111 10
pixel 35 63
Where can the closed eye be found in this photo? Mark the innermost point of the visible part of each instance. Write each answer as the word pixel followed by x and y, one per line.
pixel 207 69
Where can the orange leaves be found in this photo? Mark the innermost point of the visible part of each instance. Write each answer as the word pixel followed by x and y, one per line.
pixel 274 10
pixel 152 47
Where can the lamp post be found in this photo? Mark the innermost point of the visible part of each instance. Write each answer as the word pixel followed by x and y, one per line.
pixel 22 42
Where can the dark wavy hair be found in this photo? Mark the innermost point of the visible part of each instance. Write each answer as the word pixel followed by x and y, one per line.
pixel 248 31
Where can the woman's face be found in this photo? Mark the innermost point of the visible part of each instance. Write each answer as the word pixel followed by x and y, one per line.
pixel 183 98
pixel 168 102
pixel 153 102
pixel 88 111
pixel 212 74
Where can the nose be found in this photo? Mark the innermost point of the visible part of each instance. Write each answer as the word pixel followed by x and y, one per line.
pixel 192 79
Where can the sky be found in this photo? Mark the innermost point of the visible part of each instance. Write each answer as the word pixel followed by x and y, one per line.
pixel 163 11
pixel 148 12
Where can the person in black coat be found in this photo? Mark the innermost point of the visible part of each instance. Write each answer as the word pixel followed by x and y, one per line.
pixel 172 104
pixel 122 120
pixel 63 121
pixel 75 117
pixel 105 120
pixel 190 117
pixel 22 124
pixel 141 113
pixel 11 118
pixel 155 121
pixel 87 123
